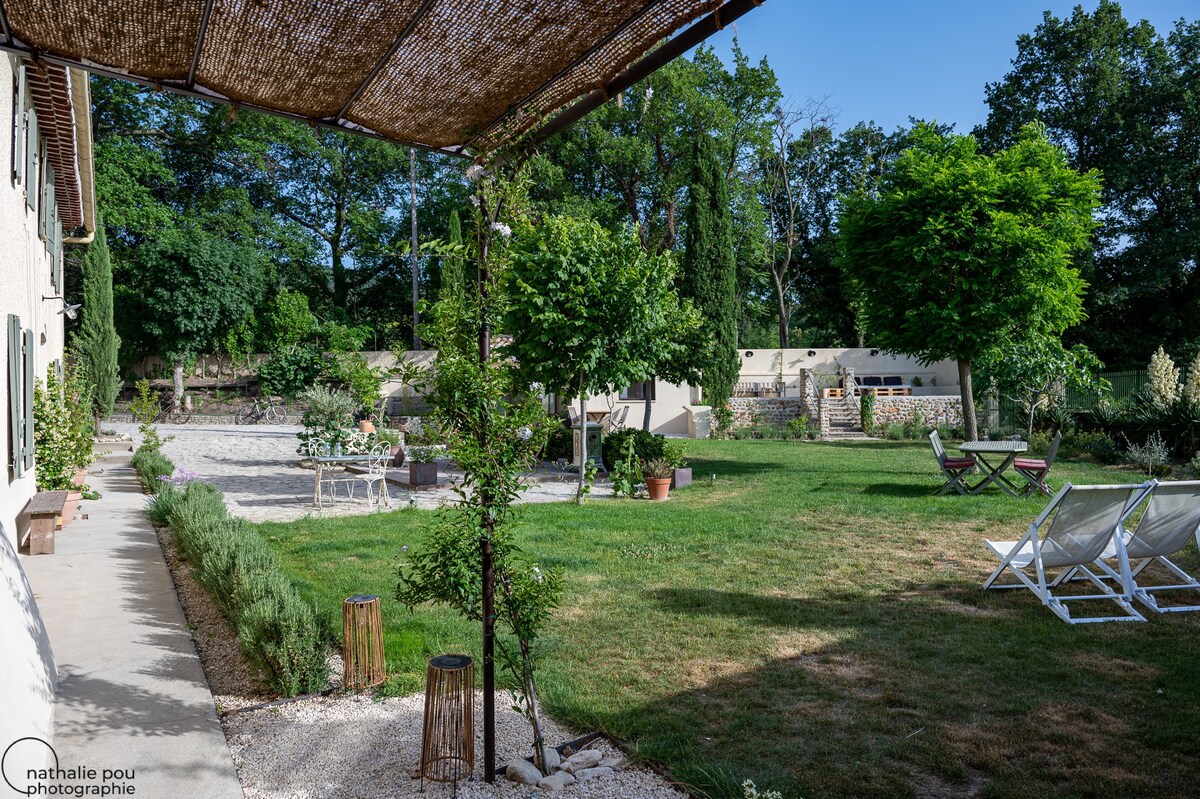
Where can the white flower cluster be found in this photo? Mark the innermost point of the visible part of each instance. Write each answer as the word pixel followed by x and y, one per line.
pixel 1164 379
pixel 537 574
pixel 501 228
pixel 524 434
pixel 475 172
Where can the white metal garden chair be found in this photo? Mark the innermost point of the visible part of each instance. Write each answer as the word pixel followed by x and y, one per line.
pixel 1171 521
pixel 377 463
pixel 330 474
pixel 1080 522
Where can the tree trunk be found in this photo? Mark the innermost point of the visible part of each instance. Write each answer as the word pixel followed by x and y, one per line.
pixel 781 307
pixel 177 376
pixel 647 395
pixel 582 442
pixel 535 718
pixel 971 431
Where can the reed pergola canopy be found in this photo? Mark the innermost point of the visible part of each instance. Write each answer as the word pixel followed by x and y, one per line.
pixel 455 75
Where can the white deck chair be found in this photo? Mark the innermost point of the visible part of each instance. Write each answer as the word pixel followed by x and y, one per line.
pixel 1080 522
pixel 1171 520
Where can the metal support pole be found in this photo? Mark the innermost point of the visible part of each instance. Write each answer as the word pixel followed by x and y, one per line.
pixel 485 543
pixel 416 272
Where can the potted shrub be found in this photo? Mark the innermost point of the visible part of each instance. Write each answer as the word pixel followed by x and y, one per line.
pixel 657 474
pixel 681 473
pixel 422 465
pixel 395 439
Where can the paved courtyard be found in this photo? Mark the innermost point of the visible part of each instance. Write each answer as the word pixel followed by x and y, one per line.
pixel 259 470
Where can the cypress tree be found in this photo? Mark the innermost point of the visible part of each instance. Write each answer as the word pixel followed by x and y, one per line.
pixel 97 343
pixel 709 274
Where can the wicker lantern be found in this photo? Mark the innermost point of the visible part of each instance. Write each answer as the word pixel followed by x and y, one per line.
pixel 448 735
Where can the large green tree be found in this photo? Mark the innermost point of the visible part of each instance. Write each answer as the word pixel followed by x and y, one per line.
pixel 588 310
pixel 709 273
pixel 189 288
pixel 956 252
pixel 97 344
pixel 1121 98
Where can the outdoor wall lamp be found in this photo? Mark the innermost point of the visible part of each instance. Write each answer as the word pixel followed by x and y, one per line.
pixel 874 353
pixel 812 353
pixel 68 310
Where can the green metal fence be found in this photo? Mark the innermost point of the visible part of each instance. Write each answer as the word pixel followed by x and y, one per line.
pixel 1008 416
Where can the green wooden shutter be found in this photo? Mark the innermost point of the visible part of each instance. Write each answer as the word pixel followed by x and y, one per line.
pixel 27 339
pixel 47 207
pixel 31 161
pixel 19 128
pixel 16 427
pixel 56 253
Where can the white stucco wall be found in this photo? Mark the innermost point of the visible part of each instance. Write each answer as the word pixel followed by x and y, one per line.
pixel 27 673
pixel 763 366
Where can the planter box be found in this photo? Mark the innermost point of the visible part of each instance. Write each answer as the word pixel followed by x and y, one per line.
pixel 422 474
pixel 681 477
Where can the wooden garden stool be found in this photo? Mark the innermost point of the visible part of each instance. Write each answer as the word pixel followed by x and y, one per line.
pixel 362 643
pixel 448 734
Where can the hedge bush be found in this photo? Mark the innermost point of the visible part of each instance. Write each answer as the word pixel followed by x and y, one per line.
pixel 277 629
pixel 150 464
pixel 646 446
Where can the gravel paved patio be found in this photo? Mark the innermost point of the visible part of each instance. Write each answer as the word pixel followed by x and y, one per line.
pixel 259 471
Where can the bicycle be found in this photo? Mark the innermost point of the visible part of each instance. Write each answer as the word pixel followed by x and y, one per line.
pixel 263 410
pixel 168 414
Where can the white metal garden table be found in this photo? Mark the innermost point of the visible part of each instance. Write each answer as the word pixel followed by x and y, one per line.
pixel 994 474
pixel 320 462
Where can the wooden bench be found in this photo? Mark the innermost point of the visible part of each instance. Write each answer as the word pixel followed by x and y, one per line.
pixel 43 509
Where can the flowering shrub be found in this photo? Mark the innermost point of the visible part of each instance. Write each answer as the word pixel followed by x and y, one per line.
pixel 62 430
pixel 1164 380
pixel 425 453
pixel 180 478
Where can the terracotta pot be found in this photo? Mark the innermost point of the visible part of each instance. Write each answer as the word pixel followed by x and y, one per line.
pixel 657 487
pixel 681 477
pixel 366 426
pixel 397 455
pixel 70 506
pixel 422 474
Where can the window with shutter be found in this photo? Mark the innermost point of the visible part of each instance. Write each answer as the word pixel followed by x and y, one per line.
pixel 16 396
pixel 31 160
pixel 18 149
pixel 27 409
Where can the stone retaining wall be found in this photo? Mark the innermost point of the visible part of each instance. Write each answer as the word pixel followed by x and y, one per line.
pixel 777 411
pixel 933 410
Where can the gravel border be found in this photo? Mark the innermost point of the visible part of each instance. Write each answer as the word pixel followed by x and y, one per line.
pixel 355 746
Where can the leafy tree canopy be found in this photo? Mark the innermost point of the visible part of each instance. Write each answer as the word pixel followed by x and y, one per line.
pixel 955 252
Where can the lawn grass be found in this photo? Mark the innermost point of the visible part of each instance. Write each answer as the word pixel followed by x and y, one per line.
pixel 813 620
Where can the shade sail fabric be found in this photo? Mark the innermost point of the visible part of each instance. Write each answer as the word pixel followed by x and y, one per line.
pixel 440 73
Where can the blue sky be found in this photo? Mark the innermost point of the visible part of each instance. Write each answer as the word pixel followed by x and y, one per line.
pixel 885 61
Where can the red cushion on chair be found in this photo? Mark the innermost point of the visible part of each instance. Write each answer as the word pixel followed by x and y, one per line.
pixel 959 463
pixel 1029 463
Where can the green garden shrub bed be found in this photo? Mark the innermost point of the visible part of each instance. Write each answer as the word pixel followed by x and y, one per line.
pixel 150 465
pixel 279 632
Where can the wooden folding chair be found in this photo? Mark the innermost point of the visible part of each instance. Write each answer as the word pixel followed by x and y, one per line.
pixel 955 469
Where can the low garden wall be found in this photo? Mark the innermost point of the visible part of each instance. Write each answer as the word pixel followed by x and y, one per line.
pixel 932 411
pixel 776 411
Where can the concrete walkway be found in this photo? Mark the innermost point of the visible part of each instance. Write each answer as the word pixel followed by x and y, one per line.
pixel 131 693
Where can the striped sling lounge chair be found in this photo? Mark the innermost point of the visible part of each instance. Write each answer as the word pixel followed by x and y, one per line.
pixel 1171 521
pixel 1079 523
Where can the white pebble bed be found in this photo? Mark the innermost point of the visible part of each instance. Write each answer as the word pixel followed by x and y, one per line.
pixel 357 747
